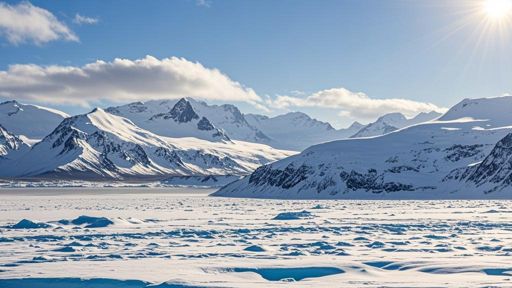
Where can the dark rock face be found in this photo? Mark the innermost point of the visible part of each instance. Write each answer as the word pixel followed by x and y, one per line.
pixel 402 168
pixel 286 178
pixel 170 156
pixel 10 141
pixel 372 182
pixel 496 168
pixel 14 105
pixel 136 107
pixel 458 152
pixel 205 124
pixel 182 112
pixel 291 176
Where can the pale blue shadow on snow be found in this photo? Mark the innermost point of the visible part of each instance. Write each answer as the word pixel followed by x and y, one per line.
pixel 295 274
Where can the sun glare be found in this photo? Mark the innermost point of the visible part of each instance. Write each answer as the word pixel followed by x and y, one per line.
pixel 498 9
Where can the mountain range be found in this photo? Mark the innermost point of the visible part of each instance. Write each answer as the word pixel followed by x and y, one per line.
pixel 292 131
pixel 100 145
pixel 161 138
pixel 465 153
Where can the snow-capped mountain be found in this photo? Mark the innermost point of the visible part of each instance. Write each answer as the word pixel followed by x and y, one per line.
pixel 187 117
pixel 230 119
pixel 31 121
pixel 170 118
pixel 392 122
pixel 10 144
pixel 297 131
pixel 445 158
pixel 494 173
pixel 100 145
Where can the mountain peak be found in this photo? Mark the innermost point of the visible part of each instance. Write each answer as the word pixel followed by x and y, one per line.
pixel 97 110
pixel 395 116
pixel 32 121
pixel 297 114
pixel 355 125
pixel 496 110
pixel 10 102
pixel 183 112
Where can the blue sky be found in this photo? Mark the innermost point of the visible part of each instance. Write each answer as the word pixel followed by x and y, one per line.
pixel 282 51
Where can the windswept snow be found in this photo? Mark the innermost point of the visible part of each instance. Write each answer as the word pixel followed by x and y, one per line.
pixel 186 239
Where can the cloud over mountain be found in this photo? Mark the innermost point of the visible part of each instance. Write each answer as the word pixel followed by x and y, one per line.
pixel 26 23
pixel 355 104
pixel 121 80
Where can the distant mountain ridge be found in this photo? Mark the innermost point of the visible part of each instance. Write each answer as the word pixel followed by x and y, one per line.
pixel 392 122
pixel 31 121
pixel 465 153
pixel 153 139
pixel 297 131
pixel 100 145
pixel 291 131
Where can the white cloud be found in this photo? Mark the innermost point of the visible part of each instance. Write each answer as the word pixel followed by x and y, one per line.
pixel 121 80
pixel 203 3
pixel 81 20
pixel 25 22
pixel 354 104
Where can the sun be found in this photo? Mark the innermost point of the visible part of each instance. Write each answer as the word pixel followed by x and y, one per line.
pixel 497 9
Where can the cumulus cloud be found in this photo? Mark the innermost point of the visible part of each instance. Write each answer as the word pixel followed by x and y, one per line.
pixel 121 80
pixel 356 105
pixel 84 20
pixel 24 22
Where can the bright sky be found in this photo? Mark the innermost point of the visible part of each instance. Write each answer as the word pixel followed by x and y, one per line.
pixel 338 61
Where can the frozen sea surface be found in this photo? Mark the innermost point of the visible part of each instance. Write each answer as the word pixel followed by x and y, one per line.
pixel 177 237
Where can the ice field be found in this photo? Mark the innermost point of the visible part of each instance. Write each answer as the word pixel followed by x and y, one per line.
pixel 180 237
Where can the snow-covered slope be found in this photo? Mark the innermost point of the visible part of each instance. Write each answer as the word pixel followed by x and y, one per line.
pixel 170 118
pixel 297 131
pixel 101 145
pixel 427 160
pixel 31 121
pixel 10 144
pixel 392 122
pixel 230 119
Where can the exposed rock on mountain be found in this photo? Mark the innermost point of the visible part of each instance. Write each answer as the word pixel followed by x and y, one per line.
pixel 10 143
pixel 99 145
pixel 453 157
pixel 171 118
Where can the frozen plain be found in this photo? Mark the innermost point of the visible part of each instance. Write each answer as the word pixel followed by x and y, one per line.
pixel 180 237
